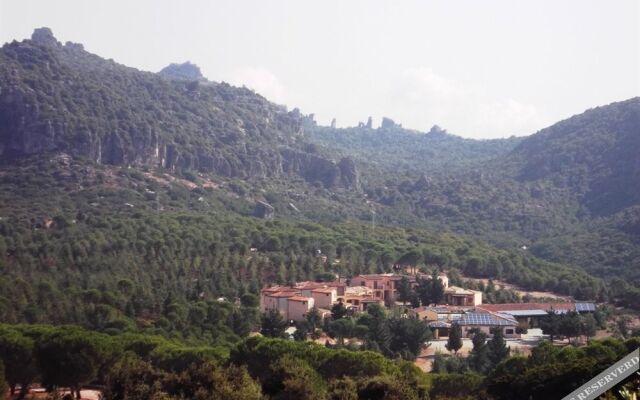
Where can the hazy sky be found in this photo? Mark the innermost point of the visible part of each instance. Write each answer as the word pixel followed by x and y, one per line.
pixel 480 69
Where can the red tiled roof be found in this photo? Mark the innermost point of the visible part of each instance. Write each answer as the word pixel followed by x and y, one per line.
pixel 279 288
pixel 298 298
pixel 324 290
pixel 528 306
pixel 314 285
pixel 284 294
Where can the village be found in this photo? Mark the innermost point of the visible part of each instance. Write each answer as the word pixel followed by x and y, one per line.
pixel 460 306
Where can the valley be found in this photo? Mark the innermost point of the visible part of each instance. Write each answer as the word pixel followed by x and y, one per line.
pixel 153 226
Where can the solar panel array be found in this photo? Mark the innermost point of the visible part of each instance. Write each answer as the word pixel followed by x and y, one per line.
pixel 484 319
pixel 585 307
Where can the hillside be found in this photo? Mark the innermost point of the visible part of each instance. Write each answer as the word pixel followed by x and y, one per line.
pixel 81 135
pixel 595 155
pixel 569 192
pixel 60 98
pixel 406 151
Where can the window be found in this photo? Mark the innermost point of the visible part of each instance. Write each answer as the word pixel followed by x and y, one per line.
pixel 509 331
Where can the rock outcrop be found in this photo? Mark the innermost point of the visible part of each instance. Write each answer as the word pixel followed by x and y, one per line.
pixel 263 210
pixel 56 98
pixel 186 71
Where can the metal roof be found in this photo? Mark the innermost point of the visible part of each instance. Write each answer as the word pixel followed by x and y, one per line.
pixel 585 307
pixel 439 324
pixel 487 319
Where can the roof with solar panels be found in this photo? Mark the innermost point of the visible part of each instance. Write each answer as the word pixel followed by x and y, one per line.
pixel 537 309
pixel 487 319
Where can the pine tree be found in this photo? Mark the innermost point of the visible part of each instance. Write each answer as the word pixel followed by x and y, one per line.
pixel 437 288
pixel 379 334
pixel 454 343
pixel 314 319
pixel 498 349
pixel 423 290
pixel 272 324
pixel 404 290
pixel 550 324
pixel 338 311
pixel 479 357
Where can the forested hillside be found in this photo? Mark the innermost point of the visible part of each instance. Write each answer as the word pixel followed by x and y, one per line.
pixel 405 151
pixel 60 98
pixel 118 241
pixel 568 193
pixel 85 138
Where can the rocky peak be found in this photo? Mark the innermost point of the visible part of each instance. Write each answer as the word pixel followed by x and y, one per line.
pixel 45 37
pixel 184 71
pixel 436 130
pixel 388 123
pixel 349 174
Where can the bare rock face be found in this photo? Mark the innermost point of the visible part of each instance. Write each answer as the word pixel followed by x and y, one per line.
pixel 186 71
pixel 56 98
pixel 45 37
pixel 349 176
pixel 264 210
pixel 314 168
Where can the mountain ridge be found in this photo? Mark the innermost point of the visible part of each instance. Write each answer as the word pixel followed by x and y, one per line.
pixel 59 98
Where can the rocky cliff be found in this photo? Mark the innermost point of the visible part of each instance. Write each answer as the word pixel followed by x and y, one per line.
pixel 60 98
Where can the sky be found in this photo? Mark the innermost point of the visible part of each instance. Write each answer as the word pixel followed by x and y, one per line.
pixel 480 69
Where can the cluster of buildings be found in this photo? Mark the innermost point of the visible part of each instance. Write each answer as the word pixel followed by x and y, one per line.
pixel 461 306
pixel 294 302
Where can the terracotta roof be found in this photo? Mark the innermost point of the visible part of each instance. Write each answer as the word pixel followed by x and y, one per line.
pixel 458 290
pixel 284 294
pixel 324 290
pixel 314 285
pixel 279 288
pixel 298 298
pixel 310 285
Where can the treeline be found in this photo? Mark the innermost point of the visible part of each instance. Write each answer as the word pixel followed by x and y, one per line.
pixel 130 366
pixel 148 367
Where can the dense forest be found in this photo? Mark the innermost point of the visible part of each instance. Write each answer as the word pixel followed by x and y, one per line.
pixel 137 367
pixel 569 193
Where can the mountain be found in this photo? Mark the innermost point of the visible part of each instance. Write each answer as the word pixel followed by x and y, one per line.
pixel 406 151
pixel 82 136
pixel 60 98
pixel 569 193
pixel 594 154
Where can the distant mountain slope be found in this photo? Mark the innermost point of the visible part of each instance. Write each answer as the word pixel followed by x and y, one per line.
pixel 393 147
pixel 567 193
pixel 595 154
pixel 56 98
